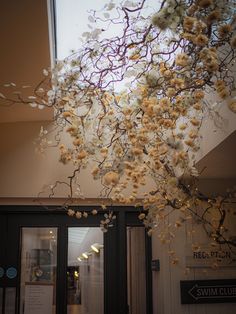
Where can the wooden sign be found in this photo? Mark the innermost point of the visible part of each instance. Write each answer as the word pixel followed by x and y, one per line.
pixel 208 291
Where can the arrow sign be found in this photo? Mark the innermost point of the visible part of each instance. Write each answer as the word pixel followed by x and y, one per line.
pixel 208 291
pixel 222 291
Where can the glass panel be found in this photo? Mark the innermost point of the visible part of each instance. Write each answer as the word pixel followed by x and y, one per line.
pixel 10 300
pixel 136 270
pixel 85 280
pixel 1 299
pixel 38 271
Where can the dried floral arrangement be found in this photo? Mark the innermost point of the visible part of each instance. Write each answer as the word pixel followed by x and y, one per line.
pixel 172 61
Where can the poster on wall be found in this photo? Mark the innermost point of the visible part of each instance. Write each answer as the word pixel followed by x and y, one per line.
pixel 38 299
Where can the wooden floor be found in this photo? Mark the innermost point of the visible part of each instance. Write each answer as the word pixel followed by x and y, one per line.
pixel 74 309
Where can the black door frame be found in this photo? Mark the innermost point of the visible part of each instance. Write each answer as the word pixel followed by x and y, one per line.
pixel 14 218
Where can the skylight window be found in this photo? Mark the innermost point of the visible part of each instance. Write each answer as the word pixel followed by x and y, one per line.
pixel 75 18
pixel 79 21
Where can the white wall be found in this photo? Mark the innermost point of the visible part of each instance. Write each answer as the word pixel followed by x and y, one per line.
pixel 215 128
pixel 25 174
pixel 166 282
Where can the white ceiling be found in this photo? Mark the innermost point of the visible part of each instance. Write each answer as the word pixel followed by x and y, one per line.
pixel 77 235
pixel 221 161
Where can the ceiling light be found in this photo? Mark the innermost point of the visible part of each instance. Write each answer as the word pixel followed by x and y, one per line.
pixel 96 247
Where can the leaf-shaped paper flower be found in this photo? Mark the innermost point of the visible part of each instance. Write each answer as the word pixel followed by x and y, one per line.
pixel 130 73
pixel 33 104
pixel 110 6
pixel 45 72
pixel 86 34
pixel 91 19
pixel 129 3
pixel 106 15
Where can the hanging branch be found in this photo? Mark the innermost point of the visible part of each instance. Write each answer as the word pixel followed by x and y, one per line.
pixel 171 61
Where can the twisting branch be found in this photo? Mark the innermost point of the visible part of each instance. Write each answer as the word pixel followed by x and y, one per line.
pixel 168 61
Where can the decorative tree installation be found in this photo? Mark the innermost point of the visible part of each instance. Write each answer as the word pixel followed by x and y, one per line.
pixel 172 62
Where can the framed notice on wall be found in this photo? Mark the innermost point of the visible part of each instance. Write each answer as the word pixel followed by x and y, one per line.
pixel 38 299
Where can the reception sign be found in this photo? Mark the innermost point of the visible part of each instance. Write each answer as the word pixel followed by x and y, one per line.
pixel 207 257
pixel 208 291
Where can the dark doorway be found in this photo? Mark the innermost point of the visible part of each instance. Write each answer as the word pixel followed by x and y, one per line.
pixel 47 262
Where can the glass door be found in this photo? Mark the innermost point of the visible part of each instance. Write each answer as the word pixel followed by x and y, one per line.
pixel 38 270
pixel 136 270
pixel 2 260
pixel 139 270
pixel 51 263
pixel 85 271
pixel 8 267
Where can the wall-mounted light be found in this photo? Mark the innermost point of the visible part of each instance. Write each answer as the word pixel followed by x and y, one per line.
pixel 80 258
pixel 76 274
pixel 86 254
pixel 96 247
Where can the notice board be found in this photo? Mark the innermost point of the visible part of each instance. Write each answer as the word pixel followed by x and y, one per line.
pixel 38 299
